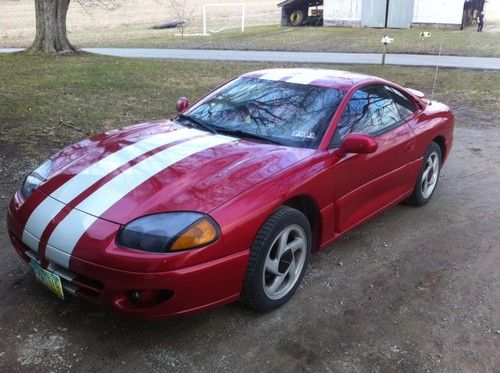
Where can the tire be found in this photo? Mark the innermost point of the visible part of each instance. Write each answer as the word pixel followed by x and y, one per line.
pixel 428 176
pixel 272 277
pixel 296 18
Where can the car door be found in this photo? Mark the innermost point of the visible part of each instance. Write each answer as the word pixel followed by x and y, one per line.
pixel 366 183
pixel 409 110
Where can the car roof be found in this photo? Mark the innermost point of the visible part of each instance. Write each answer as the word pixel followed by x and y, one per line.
pixel 338 79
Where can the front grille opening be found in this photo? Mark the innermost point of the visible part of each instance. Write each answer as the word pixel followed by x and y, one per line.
pixel 88 292
pixel 89 283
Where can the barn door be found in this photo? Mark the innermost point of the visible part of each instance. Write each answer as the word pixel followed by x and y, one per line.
pixel 400 13
pixel 373 13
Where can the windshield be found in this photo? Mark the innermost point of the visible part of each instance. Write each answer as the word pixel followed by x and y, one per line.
pixel 286 113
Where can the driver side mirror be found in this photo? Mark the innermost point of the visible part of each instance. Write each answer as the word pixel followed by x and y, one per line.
pixel 358 143
pixel 182 104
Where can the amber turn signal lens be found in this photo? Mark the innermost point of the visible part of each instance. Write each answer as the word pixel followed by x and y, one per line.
pixel 201 233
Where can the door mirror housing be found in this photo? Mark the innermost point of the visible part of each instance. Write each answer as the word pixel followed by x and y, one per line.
pixel 357 143
pixel 182 104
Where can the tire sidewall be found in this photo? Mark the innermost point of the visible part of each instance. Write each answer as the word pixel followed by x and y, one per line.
pixel 418 195
pixel 262 245
pixel 299 20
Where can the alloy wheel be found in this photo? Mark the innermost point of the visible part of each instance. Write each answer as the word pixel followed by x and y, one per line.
pixel 284 261
pixel 430 174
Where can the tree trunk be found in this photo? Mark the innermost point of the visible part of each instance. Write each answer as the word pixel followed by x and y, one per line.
pixel 51 34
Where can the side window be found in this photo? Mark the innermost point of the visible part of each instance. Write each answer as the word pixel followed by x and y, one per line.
pixel 405 106
pixel 356 111
pixel 370 110
pixel 383 112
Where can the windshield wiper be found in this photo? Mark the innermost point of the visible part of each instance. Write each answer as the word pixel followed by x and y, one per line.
pixel 198 123
pixel 244 134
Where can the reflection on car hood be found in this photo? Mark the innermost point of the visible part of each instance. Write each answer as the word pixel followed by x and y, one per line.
pixel 156 167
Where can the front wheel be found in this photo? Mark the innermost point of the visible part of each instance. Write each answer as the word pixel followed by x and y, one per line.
pixel 428 176
pixel 278 259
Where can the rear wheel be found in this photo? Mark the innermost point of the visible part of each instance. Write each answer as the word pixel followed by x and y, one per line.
pixel 278 259
pixel 428 176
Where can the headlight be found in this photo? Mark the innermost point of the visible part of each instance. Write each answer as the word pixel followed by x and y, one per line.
pixel 170 231
pixel 34 179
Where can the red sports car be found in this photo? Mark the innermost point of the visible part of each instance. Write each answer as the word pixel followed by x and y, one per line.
pixel 227 201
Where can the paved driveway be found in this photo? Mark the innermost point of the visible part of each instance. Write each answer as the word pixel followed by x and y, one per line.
pixel 272 56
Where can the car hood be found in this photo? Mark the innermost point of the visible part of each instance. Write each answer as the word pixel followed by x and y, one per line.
pixel 158 167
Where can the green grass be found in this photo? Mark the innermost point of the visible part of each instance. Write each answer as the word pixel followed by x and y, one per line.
pixel 318 39
pixel 96 93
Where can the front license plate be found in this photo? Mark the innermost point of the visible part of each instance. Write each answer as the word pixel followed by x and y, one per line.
pixel 52 281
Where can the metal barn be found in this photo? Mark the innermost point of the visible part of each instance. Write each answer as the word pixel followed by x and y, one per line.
pixel 379 13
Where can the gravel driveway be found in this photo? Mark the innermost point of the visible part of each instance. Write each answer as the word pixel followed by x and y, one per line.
pixel 415 289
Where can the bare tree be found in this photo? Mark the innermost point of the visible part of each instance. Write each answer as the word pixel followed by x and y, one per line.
pixel 180 12
pixel 51 35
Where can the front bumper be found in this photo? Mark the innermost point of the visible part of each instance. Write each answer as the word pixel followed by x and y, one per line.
pixel 193 286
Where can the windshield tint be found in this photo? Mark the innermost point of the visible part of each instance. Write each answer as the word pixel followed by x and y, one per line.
pixel 287 113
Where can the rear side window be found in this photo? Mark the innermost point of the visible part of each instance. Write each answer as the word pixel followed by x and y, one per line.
pixel 405 106
pixel 384 113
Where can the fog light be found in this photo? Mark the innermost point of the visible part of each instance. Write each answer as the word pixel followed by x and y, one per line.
pixel 135 295
pixel 149 296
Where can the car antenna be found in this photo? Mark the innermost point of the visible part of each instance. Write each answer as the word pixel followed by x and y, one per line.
pixel 437 69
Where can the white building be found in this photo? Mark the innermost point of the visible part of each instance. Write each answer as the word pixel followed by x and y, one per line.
pixel 383 13
pixel 397 13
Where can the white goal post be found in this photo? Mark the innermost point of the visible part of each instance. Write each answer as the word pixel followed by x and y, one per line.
pixel 213 5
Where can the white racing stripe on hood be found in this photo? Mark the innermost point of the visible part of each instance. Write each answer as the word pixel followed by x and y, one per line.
pixel 75 224
pixel 49 208
pixel 103 167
